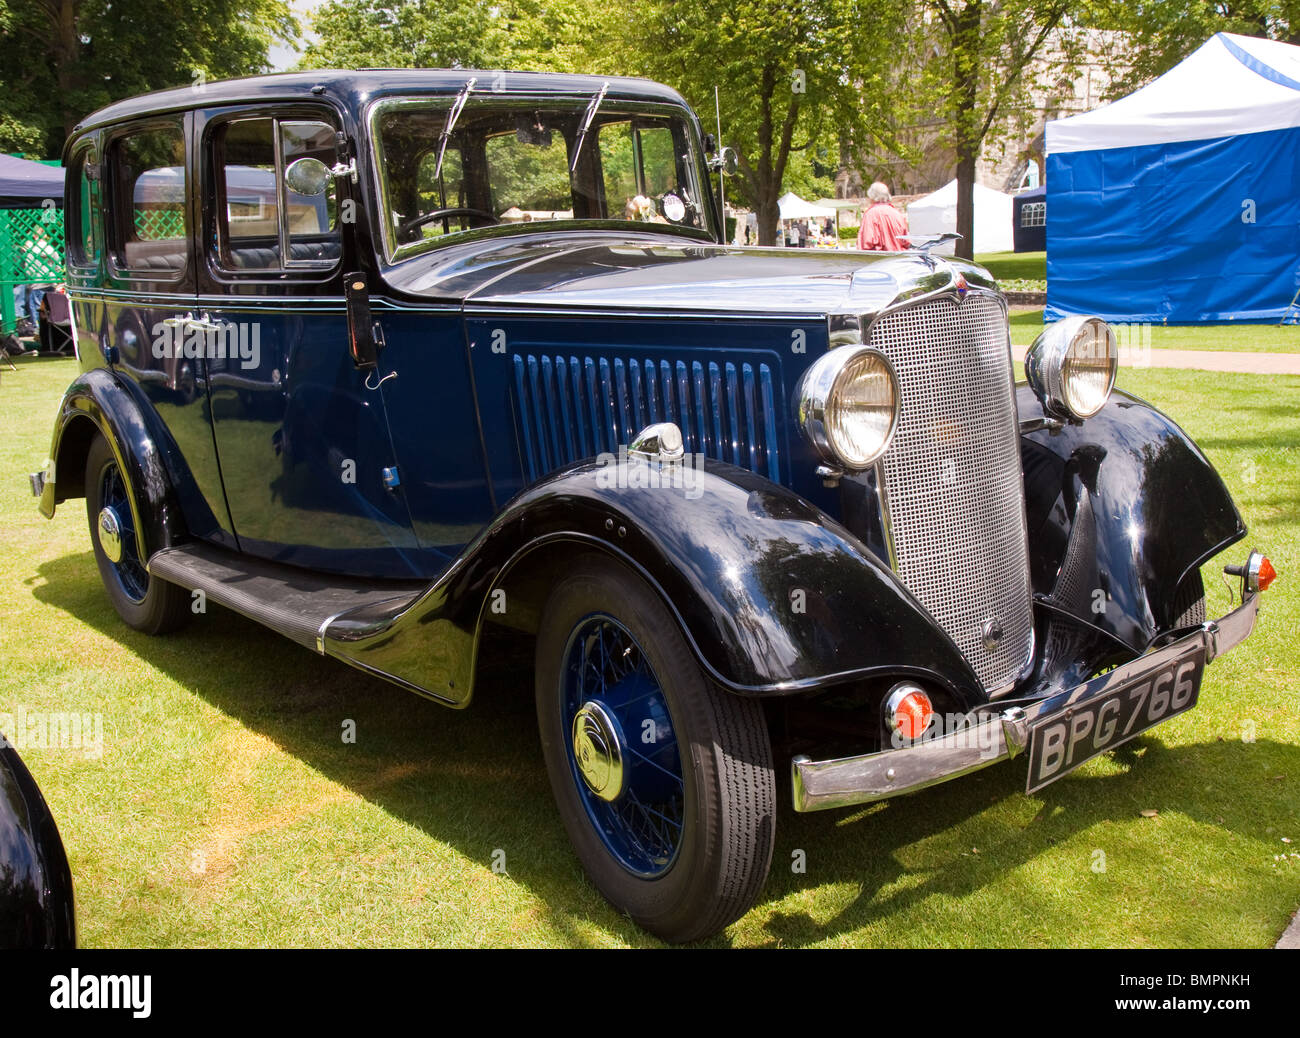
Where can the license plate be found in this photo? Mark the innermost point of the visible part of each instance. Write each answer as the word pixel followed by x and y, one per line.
pixel 1061 742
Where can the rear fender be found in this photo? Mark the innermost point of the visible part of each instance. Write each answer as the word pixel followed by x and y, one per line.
pixel 98 402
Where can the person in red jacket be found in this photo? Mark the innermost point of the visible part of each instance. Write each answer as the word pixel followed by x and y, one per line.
pixel 884 228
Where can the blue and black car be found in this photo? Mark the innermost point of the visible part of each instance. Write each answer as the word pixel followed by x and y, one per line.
pixel 382 358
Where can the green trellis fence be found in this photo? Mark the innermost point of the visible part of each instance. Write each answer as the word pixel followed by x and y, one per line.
pixel 31 253
pixel 31 247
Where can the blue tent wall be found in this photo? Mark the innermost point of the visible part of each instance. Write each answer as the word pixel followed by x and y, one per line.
pixel 1156 233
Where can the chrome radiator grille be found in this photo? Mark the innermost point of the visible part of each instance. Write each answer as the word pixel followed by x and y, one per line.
pixel 952 479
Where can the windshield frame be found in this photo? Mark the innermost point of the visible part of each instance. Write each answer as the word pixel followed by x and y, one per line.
pixel 395 252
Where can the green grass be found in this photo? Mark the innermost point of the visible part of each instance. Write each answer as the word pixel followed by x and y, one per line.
pixel 1239 338
pixel 1019 266
pixel 226 810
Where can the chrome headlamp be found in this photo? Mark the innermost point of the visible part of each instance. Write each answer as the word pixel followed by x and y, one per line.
pixel 848 406
pixel 1072 366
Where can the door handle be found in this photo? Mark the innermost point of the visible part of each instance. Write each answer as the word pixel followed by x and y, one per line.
pixel 205 323
pixel 177 322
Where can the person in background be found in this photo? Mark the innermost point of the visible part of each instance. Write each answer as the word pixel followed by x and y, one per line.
pixel 884 228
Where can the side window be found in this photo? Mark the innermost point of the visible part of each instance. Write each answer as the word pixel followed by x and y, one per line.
pixel 249 234
pixel 82 213
pixel 642 174
pixel 147 170
pixel 261 223
pixel 312 220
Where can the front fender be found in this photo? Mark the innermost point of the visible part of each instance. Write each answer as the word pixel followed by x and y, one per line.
pixel 774 595
pixel 97 401
pixel 1121 508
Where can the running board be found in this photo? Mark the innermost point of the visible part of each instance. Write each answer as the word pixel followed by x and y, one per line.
pixel 294 602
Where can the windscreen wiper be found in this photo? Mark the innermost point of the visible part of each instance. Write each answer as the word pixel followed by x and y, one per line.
pixel 587 117
pixel 450 125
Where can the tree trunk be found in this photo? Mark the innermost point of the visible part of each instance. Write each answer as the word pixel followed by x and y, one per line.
pixel 769 215
pixel 966 130
pixel 965 248
pixel 65 49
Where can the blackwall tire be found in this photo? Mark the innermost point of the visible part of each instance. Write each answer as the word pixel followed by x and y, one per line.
pixel 611 656
pixel 142 601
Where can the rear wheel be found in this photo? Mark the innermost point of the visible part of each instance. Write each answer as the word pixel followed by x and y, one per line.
pixel 664 783
pixel 143 601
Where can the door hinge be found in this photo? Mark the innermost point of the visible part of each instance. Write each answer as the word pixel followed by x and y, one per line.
pixel 345 169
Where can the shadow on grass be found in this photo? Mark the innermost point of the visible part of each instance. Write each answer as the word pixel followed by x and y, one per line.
pixel 475 779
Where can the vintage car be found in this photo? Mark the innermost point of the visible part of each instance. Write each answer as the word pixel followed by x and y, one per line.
pixel 37 909
pixel 380 358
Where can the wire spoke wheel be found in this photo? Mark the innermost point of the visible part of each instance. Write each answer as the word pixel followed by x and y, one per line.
pixel 128 566
pixel 664 782
pixel 639 812
pixel 144 602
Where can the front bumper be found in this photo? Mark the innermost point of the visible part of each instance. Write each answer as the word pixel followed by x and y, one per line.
pixel 820 785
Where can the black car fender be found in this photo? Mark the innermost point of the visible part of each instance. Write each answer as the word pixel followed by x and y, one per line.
pixel 1121 509
pixel 37 908
pixel 774 596
pixel 100 402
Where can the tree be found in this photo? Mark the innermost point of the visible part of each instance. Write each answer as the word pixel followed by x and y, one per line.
pixel 989 45
pixel 406 34
pixel 793 77
pixel 1160 34
pixel 561 36
pixel 65 58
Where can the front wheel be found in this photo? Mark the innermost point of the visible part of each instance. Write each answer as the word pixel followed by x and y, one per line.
pixel 142 600
pixel 664 783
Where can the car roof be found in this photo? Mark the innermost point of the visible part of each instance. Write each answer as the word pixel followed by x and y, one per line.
pixel 352 89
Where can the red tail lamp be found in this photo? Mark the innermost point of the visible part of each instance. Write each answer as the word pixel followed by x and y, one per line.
pixel 1257 573
pixel 1266 574
pixel 908 710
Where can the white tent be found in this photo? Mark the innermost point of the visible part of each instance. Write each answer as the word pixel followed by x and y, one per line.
pixel 1231 85
pixel 795 208
pixel 937 213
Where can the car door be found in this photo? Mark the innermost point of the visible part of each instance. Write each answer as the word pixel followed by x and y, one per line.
pixel 302 435
pixel 138 308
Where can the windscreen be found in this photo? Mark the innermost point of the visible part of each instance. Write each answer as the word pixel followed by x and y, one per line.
pixel 503 163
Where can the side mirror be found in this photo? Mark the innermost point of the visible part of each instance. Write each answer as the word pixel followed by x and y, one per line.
pixel 308 176
pixel 724 162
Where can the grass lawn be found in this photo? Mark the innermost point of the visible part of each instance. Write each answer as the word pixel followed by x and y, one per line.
pixel 1028 266
pixel 1242 338
pixel 227 810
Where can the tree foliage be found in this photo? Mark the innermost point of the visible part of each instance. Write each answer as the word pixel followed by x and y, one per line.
pixel 65 58
pixel 562 36
pixel 1161 34
pixel 984 49
pixel 795 80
